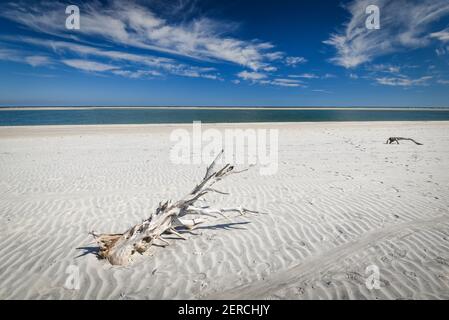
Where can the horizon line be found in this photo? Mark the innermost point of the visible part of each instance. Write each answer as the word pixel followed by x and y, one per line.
pixel 269 108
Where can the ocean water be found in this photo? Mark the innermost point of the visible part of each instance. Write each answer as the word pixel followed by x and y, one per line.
pixel 144 116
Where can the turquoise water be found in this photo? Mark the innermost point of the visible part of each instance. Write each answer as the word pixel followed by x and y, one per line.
pixel 143 116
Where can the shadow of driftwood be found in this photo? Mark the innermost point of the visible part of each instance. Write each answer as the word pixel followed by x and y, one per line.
pixel 223 226
pixel 88 250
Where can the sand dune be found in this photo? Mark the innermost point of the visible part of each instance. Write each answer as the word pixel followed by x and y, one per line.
pixel 342 200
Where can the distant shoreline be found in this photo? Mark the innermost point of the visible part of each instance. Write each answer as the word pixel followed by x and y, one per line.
pixel 226 108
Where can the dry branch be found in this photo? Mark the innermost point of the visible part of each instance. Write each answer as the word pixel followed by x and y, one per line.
pixel 397 139
pixel 118 249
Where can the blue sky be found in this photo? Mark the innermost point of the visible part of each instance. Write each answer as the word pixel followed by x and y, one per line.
pixel 225 53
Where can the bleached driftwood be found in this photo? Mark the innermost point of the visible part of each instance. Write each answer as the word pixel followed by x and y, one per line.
pixel 397 139
pixel 118 249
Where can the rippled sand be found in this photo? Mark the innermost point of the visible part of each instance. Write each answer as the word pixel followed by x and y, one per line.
pixel 341 201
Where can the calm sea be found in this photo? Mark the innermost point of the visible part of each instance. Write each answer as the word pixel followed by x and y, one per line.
pixel 145 115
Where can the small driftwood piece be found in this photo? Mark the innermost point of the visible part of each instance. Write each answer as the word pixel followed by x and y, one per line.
pixel 396 139
pixel 119 249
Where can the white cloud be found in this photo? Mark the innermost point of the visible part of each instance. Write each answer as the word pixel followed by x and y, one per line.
pixel 442 35
pixel 405 24
pixel 281 82
pixel 386 68
pixel 247 75
pixel 211 77
pixel 136 74
pixel 322 91
pixel 270 69
pixel 162 42
pixel 293 61
pixel 312 76
pixel 130 24
pixel 21 57
pixel 87 65
pixel 273 56
pixel 9 55
pixel 163 64
pixel 260 78
pixel 286 83
pixel 403 81
pixel 37 61
pixel 304 75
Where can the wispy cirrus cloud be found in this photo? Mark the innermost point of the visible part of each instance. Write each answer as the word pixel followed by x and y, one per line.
pixel 294 61
pixel 37 61
pixel 7 54
pixel 405 24
pixel 160 44
pixel 385 68
pixel 398 76
pixel 248 75
pixel 138 61
pixel 131 24
pixel 285 83
pixel 137 74
pixel 260 78
pixel 403 81
pixel 442 35
pixel 322 91
pixel 304 76
pixel 87 65
pixel 310 76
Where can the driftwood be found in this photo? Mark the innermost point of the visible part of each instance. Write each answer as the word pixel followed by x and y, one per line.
pixel 119 249
pixel 396 139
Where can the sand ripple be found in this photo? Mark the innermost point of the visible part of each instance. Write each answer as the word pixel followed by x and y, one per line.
pixel 341 201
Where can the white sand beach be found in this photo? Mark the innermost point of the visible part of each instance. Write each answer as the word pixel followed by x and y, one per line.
pixel 341 201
